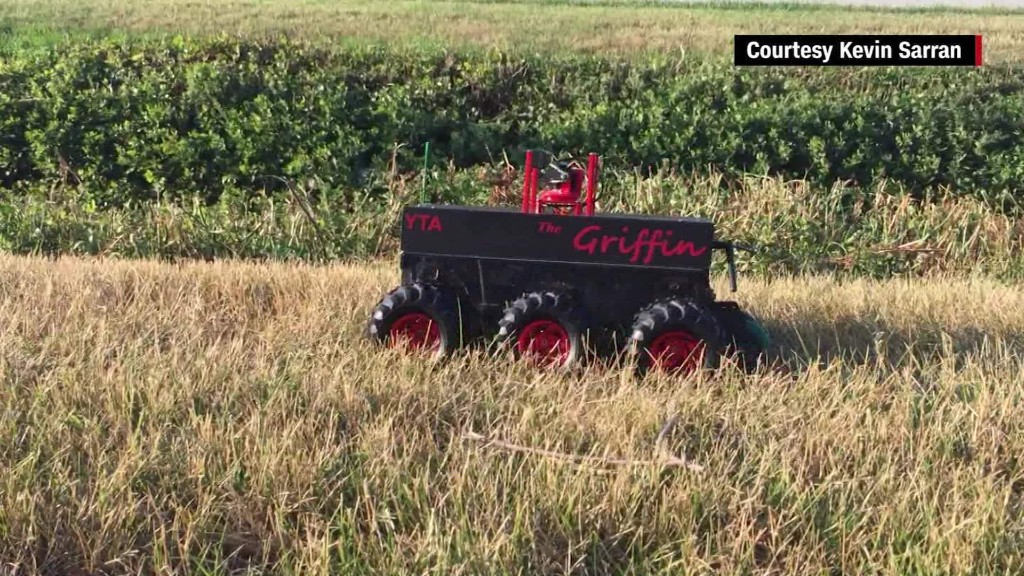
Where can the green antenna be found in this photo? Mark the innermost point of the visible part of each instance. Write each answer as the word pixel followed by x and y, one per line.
pixel 426 162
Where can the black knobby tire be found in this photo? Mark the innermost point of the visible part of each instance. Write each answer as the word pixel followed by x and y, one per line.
pixel 671 316
pixel 440 304
pixel 547 305
pixel 743 343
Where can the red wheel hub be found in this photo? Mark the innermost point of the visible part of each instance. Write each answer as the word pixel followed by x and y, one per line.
pixel 677 350
pixel 415 330
pixel 545 341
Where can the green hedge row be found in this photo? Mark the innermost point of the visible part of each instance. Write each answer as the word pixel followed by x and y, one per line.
pixel 158 118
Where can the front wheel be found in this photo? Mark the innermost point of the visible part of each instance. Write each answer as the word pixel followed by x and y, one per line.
pixel 675 336
pixel 747 340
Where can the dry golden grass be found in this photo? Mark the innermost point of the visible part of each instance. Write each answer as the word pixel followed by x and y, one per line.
pixel 616 28
pixel 204 418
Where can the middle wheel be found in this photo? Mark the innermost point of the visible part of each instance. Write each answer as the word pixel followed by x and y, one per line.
pixel 546 327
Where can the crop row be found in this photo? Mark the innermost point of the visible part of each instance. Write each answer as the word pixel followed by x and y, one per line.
pixel 142 119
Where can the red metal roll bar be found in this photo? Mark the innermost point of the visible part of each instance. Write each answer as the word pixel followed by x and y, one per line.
pixel 566 196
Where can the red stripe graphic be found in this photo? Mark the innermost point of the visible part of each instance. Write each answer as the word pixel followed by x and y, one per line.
pixel 977 50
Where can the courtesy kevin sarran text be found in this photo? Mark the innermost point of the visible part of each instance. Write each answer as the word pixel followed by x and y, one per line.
pixel 858 50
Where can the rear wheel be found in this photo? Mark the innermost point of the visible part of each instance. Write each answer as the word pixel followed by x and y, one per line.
pixel 416 330
pixel 675 336
pixel 418 317
pixel 545 328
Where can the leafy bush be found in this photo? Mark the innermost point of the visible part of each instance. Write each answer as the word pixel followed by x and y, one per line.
pixel 138 120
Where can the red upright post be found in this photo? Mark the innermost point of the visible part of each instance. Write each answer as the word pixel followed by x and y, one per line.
pixel 591 182
pixel 533 191
pixel 527 170
pixel 577 208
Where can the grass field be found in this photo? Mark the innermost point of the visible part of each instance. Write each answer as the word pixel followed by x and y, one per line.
pixel 202 417
pixel 229 418
pixel 621 27
pixel 795 228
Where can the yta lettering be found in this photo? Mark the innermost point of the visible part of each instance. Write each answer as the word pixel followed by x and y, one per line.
pixel 647 244
pixel 424 222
